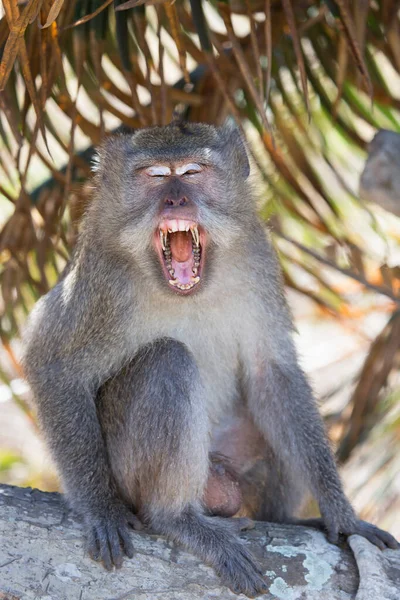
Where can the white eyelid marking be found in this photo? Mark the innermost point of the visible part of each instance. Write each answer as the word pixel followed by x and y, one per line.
pixel 194 167
pixel 158 171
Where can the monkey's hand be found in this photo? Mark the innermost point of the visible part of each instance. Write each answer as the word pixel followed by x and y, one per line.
pixel 108 536
pixel 378 537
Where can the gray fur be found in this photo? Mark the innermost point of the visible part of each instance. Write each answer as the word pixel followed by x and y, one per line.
pixel 131 380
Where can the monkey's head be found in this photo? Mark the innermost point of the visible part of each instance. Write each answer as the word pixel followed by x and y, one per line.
pixel 172 197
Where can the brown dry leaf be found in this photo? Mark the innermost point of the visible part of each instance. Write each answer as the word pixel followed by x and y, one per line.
pixel 19 46
pixel 15 38
pixel 170 11
pixel 268 46
pixel 351 34
pixel 136 3
pixel 53 13
pixel 287 5
pixel 342 60
pixel 244 67
pixel 374 374
pixel 87 18
pixel 254 47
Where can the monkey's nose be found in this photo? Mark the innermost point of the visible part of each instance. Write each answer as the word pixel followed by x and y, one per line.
pixel 173 202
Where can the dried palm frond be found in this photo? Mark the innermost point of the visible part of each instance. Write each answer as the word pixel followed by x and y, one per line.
pixel 308 81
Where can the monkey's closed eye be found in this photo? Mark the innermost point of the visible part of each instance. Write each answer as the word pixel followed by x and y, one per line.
pixel 158 171
pixel 189 169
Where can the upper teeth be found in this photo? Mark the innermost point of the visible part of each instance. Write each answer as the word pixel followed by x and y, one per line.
pixel 173 225
pixel 195 234
pixel 163 239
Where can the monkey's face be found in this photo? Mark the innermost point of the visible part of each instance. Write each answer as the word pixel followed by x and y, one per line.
pixel 179 239
pixel 181 197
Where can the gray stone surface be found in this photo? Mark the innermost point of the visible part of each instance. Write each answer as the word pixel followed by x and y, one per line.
pixel 42 557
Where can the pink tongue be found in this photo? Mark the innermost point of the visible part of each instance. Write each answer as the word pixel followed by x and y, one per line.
pixel 182 256
pixel 181 246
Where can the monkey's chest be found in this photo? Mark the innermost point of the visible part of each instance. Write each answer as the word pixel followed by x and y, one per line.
pixel 214 343
pixel 217 357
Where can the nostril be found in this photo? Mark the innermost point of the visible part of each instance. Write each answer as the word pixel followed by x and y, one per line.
pixel 169 202
pixel 183 202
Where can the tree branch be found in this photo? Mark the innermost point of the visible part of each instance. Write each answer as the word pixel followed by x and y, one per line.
pixel 42 556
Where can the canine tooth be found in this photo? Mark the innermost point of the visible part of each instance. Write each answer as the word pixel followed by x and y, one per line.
pixel 195 279
pixel 195 235
pixel 173 282
pixel 163 239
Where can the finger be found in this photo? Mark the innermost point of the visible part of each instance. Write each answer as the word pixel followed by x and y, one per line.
pixel 126 542
pixel 115 546
pixel 250 560
pixel 371 537
pixel 244 524
pixel 92 544
pixel 333 537
pixel 105 550
pixel 134 521
pixel 387 538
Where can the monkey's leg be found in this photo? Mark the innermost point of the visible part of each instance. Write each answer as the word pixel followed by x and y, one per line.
pixel 270 491
pixel 155 421
pixel 251 480
pixel 283 406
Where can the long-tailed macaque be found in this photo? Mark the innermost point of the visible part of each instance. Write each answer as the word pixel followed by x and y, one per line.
pixel 163 367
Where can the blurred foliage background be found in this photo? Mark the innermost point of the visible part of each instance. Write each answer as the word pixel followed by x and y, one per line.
pixel 309 83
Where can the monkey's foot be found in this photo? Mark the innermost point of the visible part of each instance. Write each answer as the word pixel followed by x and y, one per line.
pixel 243 523
pixel 236 524
pixel 378 537
pixel 108 535
pixel 240 573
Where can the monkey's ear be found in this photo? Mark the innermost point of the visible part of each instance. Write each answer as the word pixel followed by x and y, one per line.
pixel 95 161
pixel 234 147
pixel 112 147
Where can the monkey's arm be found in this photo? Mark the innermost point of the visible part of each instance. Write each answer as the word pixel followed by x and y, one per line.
pixel 67 414
pixel 282 403
pixel 287 413
pixel 65 362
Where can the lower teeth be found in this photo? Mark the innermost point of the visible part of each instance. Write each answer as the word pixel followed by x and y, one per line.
pixel 168 258
pixel 184 286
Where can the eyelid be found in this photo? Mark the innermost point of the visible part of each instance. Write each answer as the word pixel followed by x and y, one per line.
pixel 158 171
pixel 189 167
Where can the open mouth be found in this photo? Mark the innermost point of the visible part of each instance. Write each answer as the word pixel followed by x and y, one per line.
pixel 181 250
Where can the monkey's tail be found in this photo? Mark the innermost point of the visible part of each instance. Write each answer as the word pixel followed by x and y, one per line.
pixel 212 539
